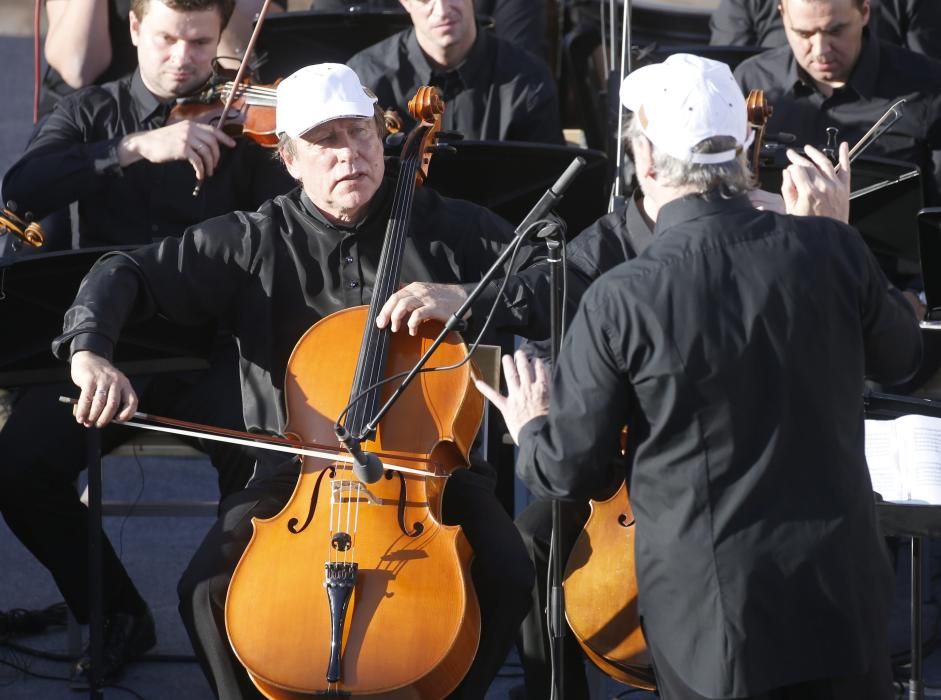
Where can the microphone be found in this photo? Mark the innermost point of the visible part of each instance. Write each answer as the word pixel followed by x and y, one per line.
pixel 552 196
pixel 366 466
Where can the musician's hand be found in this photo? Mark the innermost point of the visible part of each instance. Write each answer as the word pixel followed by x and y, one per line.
pixel 917 306
pixel 527 384
pixel 767 201
pixel 418 302
pixel 811 185
pixel 200 144
pixel 106 392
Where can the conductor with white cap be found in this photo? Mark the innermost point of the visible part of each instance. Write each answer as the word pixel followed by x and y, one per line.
pixel 734 348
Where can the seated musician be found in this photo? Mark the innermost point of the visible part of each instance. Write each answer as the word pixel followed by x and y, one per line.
pixel 77 56
pixel 831 73
pixel 914 24
pixel 760 568
pixel 109 149
pixel 494 90
pixel 520 22
pixel 272 274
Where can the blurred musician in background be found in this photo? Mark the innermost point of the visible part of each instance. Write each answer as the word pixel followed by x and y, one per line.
pixel 831 73
pixel 914 24
pixel 108 148
pixel 761 572
pixel 520 22
pixel 77 54
pixel 493 90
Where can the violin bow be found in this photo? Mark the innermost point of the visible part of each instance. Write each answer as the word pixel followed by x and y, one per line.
pixel 240 73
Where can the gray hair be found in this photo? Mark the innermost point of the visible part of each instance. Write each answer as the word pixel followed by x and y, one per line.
pixel 730 178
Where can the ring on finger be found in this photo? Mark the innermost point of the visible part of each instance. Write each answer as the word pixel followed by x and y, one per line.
pixel 101 392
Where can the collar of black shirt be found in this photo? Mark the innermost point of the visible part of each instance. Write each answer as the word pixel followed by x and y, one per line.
pixel 467 72
pixel 376 204
pixel 862 79
pixel 693 206
pixel 147 104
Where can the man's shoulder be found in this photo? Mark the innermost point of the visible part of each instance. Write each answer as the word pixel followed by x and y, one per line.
pixel 382 57
pixel 512 61
pixel 764 67
pixel 899 63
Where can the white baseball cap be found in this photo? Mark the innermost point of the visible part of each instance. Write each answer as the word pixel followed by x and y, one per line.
pixel 316 94
pixel 685 100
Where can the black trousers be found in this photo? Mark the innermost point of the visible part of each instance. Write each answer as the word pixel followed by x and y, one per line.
pixel 501 573
pixel 874 684
pixel 535 526
pixel 43 450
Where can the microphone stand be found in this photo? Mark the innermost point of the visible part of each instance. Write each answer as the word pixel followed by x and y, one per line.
pixel 542 207
pixel 556 602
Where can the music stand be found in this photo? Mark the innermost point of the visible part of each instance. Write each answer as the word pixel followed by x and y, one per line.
pixel 292 40
pixel 913 520
pixel 35 292
pixel 885 197
pixel 508 177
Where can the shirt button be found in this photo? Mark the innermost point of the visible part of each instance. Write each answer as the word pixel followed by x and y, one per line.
pixel 352 285
pixel 347 260
pixel 154 228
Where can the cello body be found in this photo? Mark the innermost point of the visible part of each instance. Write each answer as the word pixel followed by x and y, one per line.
pixel 411 624
pixel 600 585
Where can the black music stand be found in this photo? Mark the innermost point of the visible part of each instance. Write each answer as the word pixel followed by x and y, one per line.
pixel 885 198
pixel 35 292
pixel 913 520
pixel 509 177
pixel 293 40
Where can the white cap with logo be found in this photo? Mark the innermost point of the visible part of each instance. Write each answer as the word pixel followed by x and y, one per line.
pixel 316 94
pixel 685 100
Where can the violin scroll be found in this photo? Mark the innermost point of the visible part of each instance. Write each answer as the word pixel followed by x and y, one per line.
pixel 27 230
pixel 759 112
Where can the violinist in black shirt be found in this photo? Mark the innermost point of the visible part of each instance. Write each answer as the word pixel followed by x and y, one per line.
pixel 111 151
pixel 494 90
pixel 832 73
pixel 108 149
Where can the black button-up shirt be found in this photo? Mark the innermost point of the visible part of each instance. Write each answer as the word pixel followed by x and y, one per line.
pixel 500 92
pixel 734 349
pixel 270 275
pixel 883 74
pixel 73 157
pixel 914 24
pixel 524 309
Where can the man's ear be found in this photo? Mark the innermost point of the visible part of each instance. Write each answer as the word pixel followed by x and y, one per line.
pixel 287 156
pixel 135 27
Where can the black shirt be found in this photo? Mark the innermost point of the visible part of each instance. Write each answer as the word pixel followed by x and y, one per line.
pixel 882 75
pixel 617 236
pixel 123 57
pixel 73 157
pixel 914 24
pixel 271 274
pixel 499 93
pixel 734 349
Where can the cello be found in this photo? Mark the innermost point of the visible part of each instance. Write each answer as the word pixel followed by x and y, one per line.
pixel 357 588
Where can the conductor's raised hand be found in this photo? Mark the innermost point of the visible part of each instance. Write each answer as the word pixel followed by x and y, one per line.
pixel 200 144
pixel 418 302
pixel 527 384
pixel 106 393
pixel 812 186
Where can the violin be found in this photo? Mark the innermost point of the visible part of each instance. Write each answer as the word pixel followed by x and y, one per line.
pixel 25 229
pixel 356 587
pixel 253 109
